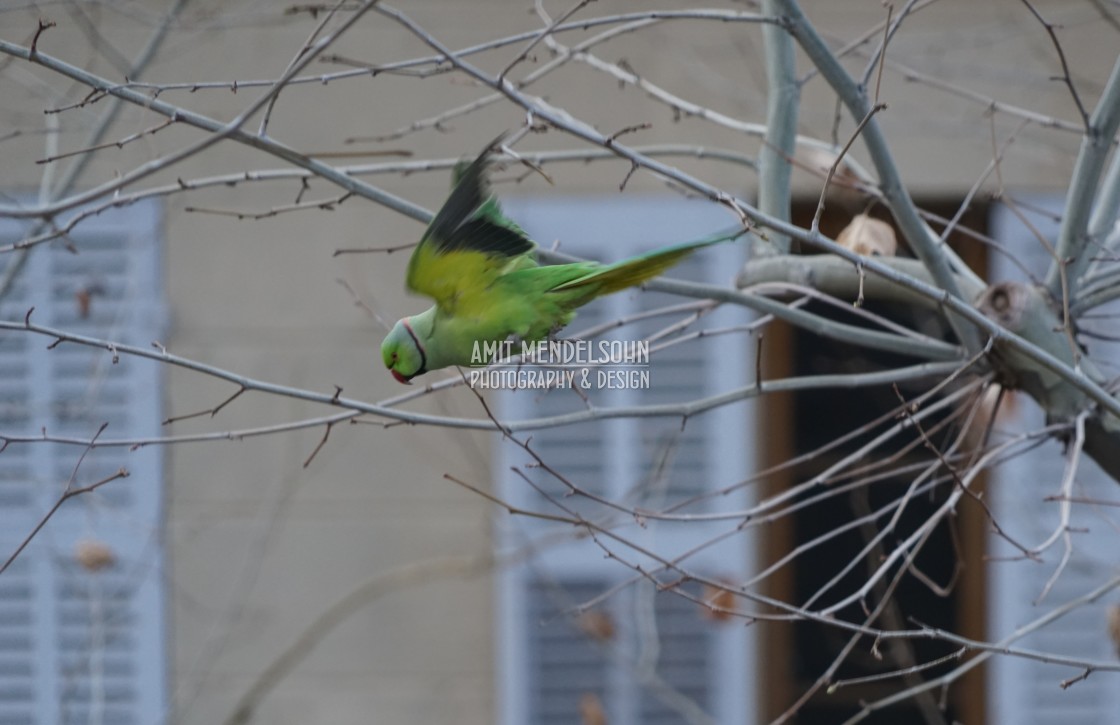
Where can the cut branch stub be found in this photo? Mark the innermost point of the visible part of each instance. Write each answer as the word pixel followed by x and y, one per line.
pixel 1025 310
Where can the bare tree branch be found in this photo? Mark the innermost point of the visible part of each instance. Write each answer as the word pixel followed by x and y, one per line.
pixel 1075 247
pixel 782 101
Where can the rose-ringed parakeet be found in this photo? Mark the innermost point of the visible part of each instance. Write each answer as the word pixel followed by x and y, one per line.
pixel 481 270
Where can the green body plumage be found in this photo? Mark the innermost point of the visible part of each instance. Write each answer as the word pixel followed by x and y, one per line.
pixel 481 270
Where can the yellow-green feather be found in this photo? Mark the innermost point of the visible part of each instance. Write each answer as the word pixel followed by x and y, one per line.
pixel 468 245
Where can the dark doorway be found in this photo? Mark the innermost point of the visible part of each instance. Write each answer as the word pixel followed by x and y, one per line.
pixel 947 590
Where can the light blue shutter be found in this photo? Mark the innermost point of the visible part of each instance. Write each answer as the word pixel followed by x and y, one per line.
pixel 1024 691
pixel 581 447
pixel 85 646
pixel 657 668
pixel 546 665
pixel 564 664
pixel 686 371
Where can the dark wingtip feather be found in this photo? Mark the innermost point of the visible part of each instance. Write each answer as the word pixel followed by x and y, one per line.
pixel 477 168
pixel 458 171
pixel 460 223
pixel 484 235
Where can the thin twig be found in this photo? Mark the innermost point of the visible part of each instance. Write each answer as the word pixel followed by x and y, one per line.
pixel 1065 77
pixel 305 49
pixel 816 225
pixel 69 491
pixel 545 32
pixel 211 412
pixel 120 143
pixel 1065 508
pixel 897 673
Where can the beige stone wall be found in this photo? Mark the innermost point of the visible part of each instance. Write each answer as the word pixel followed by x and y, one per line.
pixel 260 545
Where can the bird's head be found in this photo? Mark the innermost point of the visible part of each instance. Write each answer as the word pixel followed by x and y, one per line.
pixel 403 352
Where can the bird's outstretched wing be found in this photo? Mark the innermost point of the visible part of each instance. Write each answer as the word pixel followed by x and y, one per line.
pixel 468 244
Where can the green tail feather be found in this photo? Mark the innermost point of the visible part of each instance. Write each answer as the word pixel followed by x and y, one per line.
pixel 631 272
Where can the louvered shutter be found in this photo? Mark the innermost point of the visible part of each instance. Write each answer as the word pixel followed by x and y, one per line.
pixel 665 676
pixel 79 645
pixel 665 662
pixel 565 665
pixel 1023 691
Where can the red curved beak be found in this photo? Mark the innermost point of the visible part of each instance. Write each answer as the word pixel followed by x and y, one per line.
pixel 400 378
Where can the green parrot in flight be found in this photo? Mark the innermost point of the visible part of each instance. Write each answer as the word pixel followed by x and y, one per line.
pixel 480 269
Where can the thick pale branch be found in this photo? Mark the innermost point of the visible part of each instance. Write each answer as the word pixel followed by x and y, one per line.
pixel 838 277
pixel 1102 223
pixel 1075 244
pixel 934 256
pixel 927 348
pixel 782 102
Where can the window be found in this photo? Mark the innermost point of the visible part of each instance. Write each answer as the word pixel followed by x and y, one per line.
pixel 1027 692
pixel 642 655
pixel 801 422
pixel 82 635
